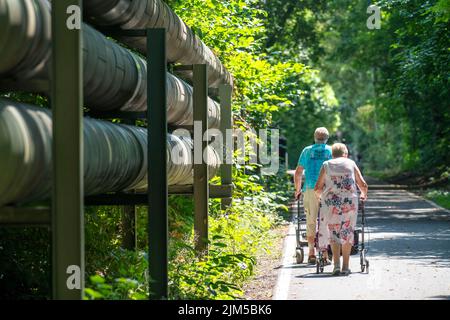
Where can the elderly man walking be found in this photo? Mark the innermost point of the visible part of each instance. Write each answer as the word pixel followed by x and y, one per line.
pixel 310 162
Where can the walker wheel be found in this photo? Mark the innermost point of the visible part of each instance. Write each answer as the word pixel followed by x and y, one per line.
pixel 319 265
pixel 299 255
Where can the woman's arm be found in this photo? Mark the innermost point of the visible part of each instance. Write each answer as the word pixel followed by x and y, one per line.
pixel 362 184
pixel 320 183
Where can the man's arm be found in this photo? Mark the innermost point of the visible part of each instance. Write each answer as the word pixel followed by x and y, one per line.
pixel 298 181
pixel 320 183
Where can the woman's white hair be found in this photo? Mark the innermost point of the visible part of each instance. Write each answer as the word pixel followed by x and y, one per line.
pixel 338 150
pixel 321 135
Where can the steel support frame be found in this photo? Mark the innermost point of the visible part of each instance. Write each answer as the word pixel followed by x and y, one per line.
pixel 156 197
pixel 157 163
pixel 67 199
pixel 201 184
pixel 225 92
pixel 67 210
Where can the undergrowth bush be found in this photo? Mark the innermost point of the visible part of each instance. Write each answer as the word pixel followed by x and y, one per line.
pixel 237 236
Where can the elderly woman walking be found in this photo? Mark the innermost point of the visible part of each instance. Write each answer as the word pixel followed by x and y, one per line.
pixel 336 188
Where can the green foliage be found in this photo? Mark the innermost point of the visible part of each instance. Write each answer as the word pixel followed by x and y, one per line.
pixel 391 84
pixel 121 288
pixel 34 99
pixel 113 272
pixel 441 197
pixel 25 263
pixel 237 234
pixel 268 88
pixel 215 276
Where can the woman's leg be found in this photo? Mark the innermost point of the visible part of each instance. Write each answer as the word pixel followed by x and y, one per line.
pixel 346 249
pixel 336 249
pixel 348 235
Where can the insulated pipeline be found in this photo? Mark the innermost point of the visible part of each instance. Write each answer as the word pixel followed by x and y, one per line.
pixel 183 45
pixel 115 155
pixel 114 77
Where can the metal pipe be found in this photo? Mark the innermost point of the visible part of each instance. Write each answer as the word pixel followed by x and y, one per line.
pixel 183 46
pixel 114 77
pixel 115 157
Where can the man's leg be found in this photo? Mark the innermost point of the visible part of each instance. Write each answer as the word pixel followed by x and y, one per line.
pixel 311 241
pixel 310 204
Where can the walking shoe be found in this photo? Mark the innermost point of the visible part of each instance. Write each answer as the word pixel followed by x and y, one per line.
pixel 336 270
pixel 312 259
pixel 346 272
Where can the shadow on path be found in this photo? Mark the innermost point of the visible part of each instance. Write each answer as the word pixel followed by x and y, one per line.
pixel 409 252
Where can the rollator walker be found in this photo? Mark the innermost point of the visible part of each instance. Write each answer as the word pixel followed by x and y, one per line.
pixel 358 246
pixel 300 231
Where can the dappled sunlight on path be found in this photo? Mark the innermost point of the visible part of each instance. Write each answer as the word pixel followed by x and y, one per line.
pixel 409 253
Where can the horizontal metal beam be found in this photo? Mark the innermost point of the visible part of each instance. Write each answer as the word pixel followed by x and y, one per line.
pixel 117 32
pixel 184 67
pixel 172 128
pixel 36 86
pixel 10 215
pixel 128 115
pixel 215 191
pixel 39 216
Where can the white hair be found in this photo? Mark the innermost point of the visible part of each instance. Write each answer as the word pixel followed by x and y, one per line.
pixel 321 135
pixel 338 150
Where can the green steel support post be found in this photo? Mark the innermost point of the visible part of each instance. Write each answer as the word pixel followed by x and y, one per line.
pixel 201 183
pixel 157 162
pixel 225 92
pixel 128 216
pixel 67 201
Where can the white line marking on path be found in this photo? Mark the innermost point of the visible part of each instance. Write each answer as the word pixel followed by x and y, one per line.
pixel 284 276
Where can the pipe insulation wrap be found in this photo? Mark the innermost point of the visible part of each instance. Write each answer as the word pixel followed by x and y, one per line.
pixel 183 45
pixel 25 35
pixel 115 155
pixel 114 77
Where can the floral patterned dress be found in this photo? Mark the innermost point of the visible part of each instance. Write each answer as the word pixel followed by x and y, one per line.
pixel 338 203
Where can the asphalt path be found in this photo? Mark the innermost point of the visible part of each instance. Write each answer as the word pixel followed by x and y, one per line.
pixel 408 242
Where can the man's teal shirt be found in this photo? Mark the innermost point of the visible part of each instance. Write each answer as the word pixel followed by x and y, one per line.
pixel 311 159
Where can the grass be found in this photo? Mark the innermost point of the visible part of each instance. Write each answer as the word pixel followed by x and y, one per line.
pixel 440 197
